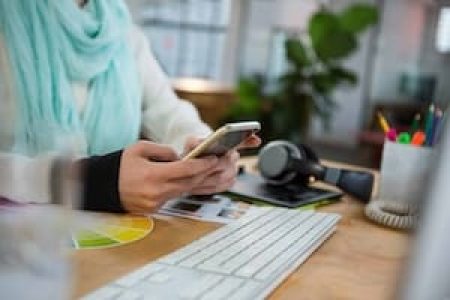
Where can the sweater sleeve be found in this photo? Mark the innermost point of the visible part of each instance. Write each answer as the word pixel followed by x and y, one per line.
pixel 29 180
pixel 101 183
pixel 25 180
pixel 166 119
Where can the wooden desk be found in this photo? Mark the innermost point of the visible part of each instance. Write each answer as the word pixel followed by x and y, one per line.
pixel 360 261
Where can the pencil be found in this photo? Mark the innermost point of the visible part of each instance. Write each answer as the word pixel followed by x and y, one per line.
pixel 383 122
pixel 418 139
pixel 415 123
pixel 436 127
pixel 429 125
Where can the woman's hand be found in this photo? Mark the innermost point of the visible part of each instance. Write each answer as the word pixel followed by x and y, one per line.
pixel 223 176
pixel 150 174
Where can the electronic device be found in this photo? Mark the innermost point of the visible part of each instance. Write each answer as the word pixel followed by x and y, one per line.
pixel 225 138
pixel 394 214
pixel 429 270
pixel 281 163
pixel 251 188
pixel 246 259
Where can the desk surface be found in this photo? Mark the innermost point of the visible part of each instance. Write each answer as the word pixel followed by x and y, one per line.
pixel 360 261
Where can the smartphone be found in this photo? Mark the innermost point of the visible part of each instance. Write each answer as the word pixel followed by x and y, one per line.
pixel 225 138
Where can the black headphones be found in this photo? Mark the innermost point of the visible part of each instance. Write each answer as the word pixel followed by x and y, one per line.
pixel 281 162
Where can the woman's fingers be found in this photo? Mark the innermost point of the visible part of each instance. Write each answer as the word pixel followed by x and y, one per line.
pixel 230 159
pixel 188 168
pixel 222 178
pixel 155 152
pixel 145 206
pixel 218 177
pixel 191 143
pixel 207 190
pixel 252 141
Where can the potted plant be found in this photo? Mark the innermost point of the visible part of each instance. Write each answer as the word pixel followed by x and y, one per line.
pixel 315 71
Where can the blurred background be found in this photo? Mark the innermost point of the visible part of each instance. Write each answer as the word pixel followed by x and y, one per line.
pixel 311 71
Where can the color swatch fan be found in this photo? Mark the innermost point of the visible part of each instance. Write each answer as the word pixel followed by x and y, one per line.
pixel 111 231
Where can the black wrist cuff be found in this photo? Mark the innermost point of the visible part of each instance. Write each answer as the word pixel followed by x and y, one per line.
pixel 101 183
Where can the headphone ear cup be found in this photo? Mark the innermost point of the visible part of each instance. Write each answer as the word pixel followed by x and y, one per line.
pixel 308 153
pixel 307 156
pixel 277 159
pixel 274 160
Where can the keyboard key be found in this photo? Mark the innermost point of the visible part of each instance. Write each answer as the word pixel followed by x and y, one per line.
pixel 200 287
pixel 160 277
pixel 138 275
pixel 130 295
pixel 245 291
pixel 104 293
pixel 223 289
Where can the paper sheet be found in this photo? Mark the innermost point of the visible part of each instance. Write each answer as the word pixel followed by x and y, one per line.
pixel 216 208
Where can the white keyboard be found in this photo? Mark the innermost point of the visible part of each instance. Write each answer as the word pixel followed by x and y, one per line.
pixel 246 259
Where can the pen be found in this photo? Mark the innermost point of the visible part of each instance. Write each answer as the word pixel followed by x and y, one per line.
pixel 429 125
pixel 391 135
pixel 383 123
pixel 404 138
pixel 415 123
pixel 418 138
pixel 437 124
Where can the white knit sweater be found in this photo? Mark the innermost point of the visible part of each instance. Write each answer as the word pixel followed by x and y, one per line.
pixel 165 119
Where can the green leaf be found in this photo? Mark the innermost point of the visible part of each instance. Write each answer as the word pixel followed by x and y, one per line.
pixel 290 80
pixel 249 99
pixel 344 75
pixel 359 17
pixel 321 24
pixel 323 83
pixel 249 88
pixel 329 39
pixel 296 53
pixel 338 44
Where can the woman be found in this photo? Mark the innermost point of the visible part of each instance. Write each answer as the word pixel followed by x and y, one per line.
pixel 81 72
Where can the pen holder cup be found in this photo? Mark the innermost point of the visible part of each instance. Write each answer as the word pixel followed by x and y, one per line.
pixel 404 174
pixel 405 170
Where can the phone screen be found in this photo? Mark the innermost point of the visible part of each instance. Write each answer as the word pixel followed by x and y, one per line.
pixel 227 142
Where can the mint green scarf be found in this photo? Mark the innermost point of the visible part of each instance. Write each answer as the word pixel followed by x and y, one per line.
pixel 52 43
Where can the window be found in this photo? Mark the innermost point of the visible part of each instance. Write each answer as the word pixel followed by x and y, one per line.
pixel 259 17
pixel 187 36
pixel 443 31
pixel 278 63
